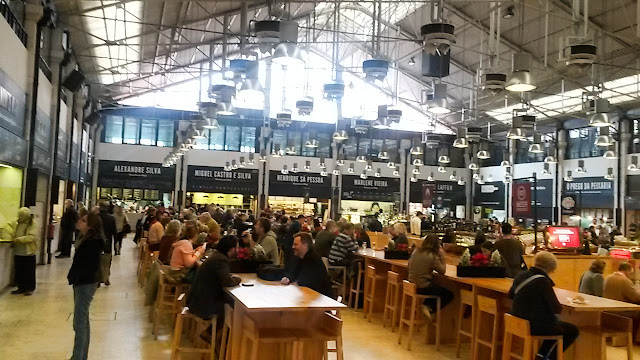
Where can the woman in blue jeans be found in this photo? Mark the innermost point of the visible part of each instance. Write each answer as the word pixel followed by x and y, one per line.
pixel 84 276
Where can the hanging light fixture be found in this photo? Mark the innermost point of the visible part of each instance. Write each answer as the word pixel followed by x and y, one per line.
pixel 437 102
pixel 263 155
pixel 383 154
pixel 418 162
pixel 505 163
pixel 610 154
pixel 323 173
pixel 396 171
pixel 610 175
pixel 391 164
pixel 600 117
pixel 481 180
pixel 517 132
pixel 312 142
pixel 550 159
pixel 340 135
pixel 363 175
pixel 569 177
pixel 604 139
pixel 413 178
pixel 416 170
pixel 277 152
pixel 284 170
pixel 351 169
pixel 444 157
pixel 483 153
pixel 521 79
pixel 340 161
pixel 461 182
pixel 473 166
pixel 461 141
pixel 295 168
pixel 210 124
pixel 287 52
pixel 580 169
pixel 307 166
pixel 336 172
pixel 369 166
pixel 361 158
pixel 322 164
pixel 252 160
pixel 291 147
pixel 442 169
pixel 546 171
pixel 634 164
pixel 223 93
pixel 536 147
pixel 476 175
pixel 416 149
pixel 377 174
pixel 453 176
pixel 430 177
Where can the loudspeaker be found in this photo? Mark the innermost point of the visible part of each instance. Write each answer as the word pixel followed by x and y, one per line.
pixel 434 65
pixel 93 118
pixel 73 81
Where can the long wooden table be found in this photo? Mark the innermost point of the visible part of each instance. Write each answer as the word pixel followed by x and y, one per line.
pixel 585 316
pixel 278 306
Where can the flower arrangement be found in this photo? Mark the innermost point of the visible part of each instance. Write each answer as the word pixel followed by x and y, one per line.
pixel 479 265
pixel 479 260
pixel 244 253
pixel 397 251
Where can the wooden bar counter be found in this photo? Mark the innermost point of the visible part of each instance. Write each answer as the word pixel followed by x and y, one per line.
pixel 274 305
pixel 585 316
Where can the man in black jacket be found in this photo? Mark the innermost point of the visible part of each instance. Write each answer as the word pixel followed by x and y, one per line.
pixel 534 300
pixel 206 297
pixel 309 271
pixel 109 231
pixel 67 229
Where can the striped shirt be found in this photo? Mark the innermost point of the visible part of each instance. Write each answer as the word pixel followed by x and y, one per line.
pixel 342 246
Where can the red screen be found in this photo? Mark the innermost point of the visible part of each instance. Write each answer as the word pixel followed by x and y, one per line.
pixel 564 237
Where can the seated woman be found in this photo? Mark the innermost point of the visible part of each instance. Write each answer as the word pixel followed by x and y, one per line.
pixel 477 246
pixel 449 236
pixel 183 255
pixel 171 235
pixel 362 237
pixel 424 260
pixel 399 234
pixel 592 281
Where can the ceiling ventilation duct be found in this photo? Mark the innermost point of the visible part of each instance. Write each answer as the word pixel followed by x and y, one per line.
pixel 305 106
pixel 360 126
pixel 268 34
pixel 494 82
pixel 333 91
pixel 375 69
pixel 437 39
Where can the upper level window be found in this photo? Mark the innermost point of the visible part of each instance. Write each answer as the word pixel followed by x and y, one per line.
pixel 113 130
pixel 136 131
pixel 131 131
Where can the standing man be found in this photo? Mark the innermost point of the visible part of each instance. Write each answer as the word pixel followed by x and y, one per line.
pixel 416 224
pixel 109 230
pixel 267 239
pixel 511 250
pixel 67 229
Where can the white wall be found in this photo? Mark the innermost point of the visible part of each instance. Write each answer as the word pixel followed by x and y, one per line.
pixel 139 153
pixel 13 57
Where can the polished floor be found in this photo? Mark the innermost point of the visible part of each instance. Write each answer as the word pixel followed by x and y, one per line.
pixel 40 326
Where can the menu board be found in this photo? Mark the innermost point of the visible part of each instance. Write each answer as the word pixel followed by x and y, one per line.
pixel 216 179
pixel 564 237
pixel 12 105
pixel 105 193
pixel 116 193
pixel 127 193
pixel 301 184
pixel 137 194
pixel 14 148
pixel 135 175
pixel 151 194
pixel 370 189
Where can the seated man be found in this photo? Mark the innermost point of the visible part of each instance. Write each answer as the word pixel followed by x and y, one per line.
pixel 206 297
pixel 343 248
pixel 325 238
pixel 309 271
pixel 534 300
pixel 618 286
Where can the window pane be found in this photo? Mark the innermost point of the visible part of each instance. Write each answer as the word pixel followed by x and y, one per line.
pixel 232 138
pixel 166 131
pixel 202 144
pixel 364 147
pixel 149 132
pixel 113 130
pixel 296 136
pixel 131 130
pixel 351 148
pixel 217 138
pixel 279 138
pixel 324 146
pixel 248 140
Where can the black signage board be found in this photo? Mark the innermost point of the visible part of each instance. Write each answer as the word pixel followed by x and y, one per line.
pixel 135 175
pixel 42 137
pixel 447 194
pixel 590 192
pixel 632 197
pixel 13 148
pixel 370 189
pixel 41 160
pixel 62 145
pixel 490 194
pixel 543 194
pixel 217 180
pixel 62 169
pixel 300 184
pixel 74 171
pixel 12 105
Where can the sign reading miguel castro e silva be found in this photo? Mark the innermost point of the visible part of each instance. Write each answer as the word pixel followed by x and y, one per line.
pixel 216 179
pixel 590 192
pixel 299 185
pixel 135 175
pixel 370 189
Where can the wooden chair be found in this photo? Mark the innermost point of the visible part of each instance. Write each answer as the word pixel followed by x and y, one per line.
pixel 409 292
pixel 392 300
pixel 517 327
pixel 167 299
pixel 199 346
pixel 466 299
pixel 370 290
pixel 612 325
pixel 287 338
pixel 486 306
pixel 330 330
pixel 382 240
pixel 337 284
pixel 356 289
pixel 227 328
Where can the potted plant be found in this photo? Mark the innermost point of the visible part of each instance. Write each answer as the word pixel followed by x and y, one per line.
pixel 479 265
pixel 397 252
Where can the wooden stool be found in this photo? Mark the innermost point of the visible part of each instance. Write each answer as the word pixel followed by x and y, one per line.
pixel 488 306
pixel 466 299
pixel 337 284
pixel 356 286
pixel 392 300
pixel 225 354
pixel 251 332
pixel 370 291
pixel 330 330
pixel 167 299
pixel 201 325
pixel 515 326
pixel 616 326
pixel 409 291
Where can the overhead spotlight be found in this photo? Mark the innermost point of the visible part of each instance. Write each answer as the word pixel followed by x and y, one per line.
pixel 536 147
pixel 481 180
pixel 418 162
pixel 234 165
pixel 598 112
pixel 363 175
pixel 610 175
pixel 437 103
pixel 382 124
pixel 351 169
pixel 383 155
pixel 305 106
pixel 277 152
pixel 476 176
pixel 377 174
pixel 550 159
pixel 581 169
pixel 375 69
pixel 473 166
pixel 263 155
pixel 311 143
pixel 252 160
pixel 322 165
pixel 307 166
pixel 340 161
pixel 483 153
pixel 610 154
pixel 505 163
pixel 444 159
pixel 430 177
pixel 604 139
pixel 336 172
pixel 416 149
pixel 461 182
pixel 294 168
pixel 521 79
pixel 361 158
pixel 509 12
pixel 412 61
pixel 340 135
pixel 396 171
pixel 461 141
pixel 284 170
pixel 416 170
pixel 323 173
pixel 569 177
pixel 391 164
pixel 369 166
pixel 453 177
pixel 634 164
pixel 291 147
pixel 546 171
pixel 442 169
pixel 413 179
pixel 227 166
pixel 243 162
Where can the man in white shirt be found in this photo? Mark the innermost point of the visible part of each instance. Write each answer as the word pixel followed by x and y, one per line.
pixel 416 223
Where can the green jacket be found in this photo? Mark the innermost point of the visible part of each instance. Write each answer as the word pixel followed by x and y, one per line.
pixel 23 245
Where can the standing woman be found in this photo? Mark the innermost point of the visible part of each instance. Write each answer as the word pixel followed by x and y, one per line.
pixel 121 221
pixel 84 276
pixel 22 234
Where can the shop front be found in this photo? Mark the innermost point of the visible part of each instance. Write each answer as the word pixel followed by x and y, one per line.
pixel 538 196
pixel 587 199
pixel 208 185
pixel 367 197
pixel 135 184
pixel 300 193
pixel 489 200
pixel 440 198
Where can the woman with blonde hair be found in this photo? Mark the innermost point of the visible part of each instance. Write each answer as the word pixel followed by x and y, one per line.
pixel 399 234
pixel 424 260
pixel 171 235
